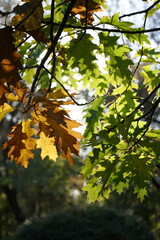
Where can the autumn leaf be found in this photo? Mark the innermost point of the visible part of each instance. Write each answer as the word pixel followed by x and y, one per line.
pixel 9 59
pixel 25 155
pixel 11 97
pixel 55 123
pixel 3 90
pixel 18 144
pixel 4 109
pixel 61 129
pixel 47 146
pixel 29 15
pixel 47 126
pixel 28 19
pixel 61 93
pixel 81 6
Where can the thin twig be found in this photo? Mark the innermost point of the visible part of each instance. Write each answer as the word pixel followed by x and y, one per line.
pixel 52 44
pixel 146 127
pixel 136 109
pixel 140 12
pixel 102 29
pixel 60 30
pixel 69 95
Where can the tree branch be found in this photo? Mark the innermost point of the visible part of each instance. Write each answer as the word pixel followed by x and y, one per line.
pixel 102 29
pixel 62 25
pixel 140 12
pixel 69 95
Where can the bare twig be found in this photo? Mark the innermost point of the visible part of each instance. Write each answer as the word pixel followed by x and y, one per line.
pixel 102 29
pixel 60 30
pixel 140 12
pixel 136 109
pixel 147 125
pixel 52 43
pixel 69 95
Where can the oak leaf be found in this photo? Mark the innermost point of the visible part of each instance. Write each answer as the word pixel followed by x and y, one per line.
pixel 47 146
pixel 28 19
pixel 25 155
pixel 20 151
pixel 11 97
pixel 4 109
pixel 81 6
pixel 47 126
pixel 60 125
pixel 54 122
pixel 9 59
pixel 3 90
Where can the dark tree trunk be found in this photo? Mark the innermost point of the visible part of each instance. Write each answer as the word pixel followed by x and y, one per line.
pixel 11 195
pixel 10 192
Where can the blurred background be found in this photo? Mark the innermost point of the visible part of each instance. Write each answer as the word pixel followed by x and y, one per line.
pixel 45 201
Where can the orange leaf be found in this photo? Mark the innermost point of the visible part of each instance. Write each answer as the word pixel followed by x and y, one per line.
pixel 19 143
pixel 54 122
pixel 9 59
pixel 80 8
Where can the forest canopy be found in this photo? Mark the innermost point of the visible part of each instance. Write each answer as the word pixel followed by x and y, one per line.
pixel 76 52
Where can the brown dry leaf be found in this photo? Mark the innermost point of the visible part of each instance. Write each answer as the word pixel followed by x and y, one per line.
pixel 30 14
pixel 61 93
pixel 19 143
pixel 80 8
pixel 55 123
pixel 46 120
pixel 38 35
pixel 32 23
pixel 9 59
pixel 3 90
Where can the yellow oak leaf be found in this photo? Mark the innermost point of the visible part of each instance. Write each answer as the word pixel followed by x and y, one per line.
pixel 26 127
pixel 61 93
pixel 11 97
pixel 25 155
pixel 4 109
pixel 47 147
pixel 30 143
pixel 37 116
pixel 21 143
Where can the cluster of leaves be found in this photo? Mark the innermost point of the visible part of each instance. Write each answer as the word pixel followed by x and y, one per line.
pixel 43 123
pixel 59 41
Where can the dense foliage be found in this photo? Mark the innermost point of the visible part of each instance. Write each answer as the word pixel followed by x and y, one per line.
pixel 85 224
pixel 54 49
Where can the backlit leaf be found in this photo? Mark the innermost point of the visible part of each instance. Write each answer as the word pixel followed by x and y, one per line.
pixel 47 147
pixel 4 109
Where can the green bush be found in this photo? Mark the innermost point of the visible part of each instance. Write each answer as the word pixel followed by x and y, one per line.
pixel 93 223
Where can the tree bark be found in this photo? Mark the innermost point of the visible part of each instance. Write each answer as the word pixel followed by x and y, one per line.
pixel 11 195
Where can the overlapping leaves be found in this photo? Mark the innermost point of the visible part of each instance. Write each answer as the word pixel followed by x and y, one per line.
pixel 120 127
pixel 47 126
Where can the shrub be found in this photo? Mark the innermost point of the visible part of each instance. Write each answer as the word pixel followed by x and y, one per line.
pixel 93 223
